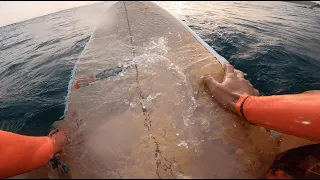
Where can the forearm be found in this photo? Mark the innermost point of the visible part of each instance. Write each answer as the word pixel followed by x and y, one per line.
pixel 298 115
pixel 20 154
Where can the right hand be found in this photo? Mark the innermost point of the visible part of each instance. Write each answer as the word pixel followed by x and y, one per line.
pixel 233 85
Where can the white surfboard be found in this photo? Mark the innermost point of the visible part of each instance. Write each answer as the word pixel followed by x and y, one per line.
pixel 147 114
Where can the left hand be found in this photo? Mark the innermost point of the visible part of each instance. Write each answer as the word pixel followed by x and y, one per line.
pixel 58 139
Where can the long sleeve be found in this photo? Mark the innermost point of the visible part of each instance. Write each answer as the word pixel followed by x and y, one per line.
pixel 297 114
pixel 20 154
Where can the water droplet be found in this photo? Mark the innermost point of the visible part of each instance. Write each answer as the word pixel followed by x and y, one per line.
pixel 306 122
pixel 183 143
pixel 303 122
pixel 239 151
pixel 133 104
pixel 126 101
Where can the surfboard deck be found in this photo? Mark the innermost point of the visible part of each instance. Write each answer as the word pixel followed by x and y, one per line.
pixel 155 119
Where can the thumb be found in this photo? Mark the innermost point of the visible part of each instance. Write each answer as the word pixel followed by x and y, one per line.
pixel 211 83
pixel 53 132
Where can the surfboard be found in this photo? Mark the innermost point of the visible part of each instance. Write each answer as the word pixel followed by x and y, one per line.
pixel 147 114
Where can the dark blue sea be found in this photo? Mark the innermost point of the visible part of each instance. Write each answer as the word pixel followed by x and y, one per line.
pixel 276 43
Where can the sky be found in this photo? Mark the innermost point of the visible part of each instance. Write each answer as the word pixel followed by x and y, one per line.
pixel 16 11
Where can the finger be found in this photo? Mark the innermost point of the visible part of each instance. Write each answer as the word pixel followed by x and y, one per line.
pixel 211 83
pixel 229 69
pixel 53 132
pixel 311 92
pixel 256 92
pixel 239 73
pixel 249 83
pixel 64 131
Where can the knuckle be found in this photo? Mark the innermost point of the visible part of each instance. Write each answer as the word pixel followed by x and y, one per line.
pixel 240 76
pixel 256 92
pixel 229 66
pixel 231 75
pixel 208 79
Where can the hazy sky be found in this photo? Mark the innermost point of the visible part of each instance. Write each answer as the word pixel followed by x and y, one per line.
pixel 15 11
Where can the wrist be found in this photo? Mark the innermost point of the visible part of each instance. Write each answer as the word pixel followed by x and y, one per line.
pixel 239 105
pixel 54 148
pixel 232 99
pixel 236 98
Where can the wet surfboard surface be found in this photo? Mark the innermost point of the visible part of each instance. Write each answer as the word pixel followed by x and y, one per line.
pixel 148 115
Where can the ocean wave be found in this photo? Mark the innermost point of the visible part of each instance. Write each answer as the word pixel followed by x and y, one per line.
pixel 276 43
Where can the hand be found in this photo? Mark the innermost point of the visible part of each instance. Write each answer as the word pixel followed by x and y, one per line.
pixel 233 85
pixel 58 139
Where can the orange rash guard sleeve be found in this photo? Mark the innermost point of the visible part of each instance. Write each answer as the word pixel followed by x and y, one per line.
pixel 297 115
pixel 20 154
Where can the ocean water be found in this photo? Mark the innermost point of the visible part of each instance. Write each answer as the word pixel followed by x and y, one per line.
pixel 276 43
